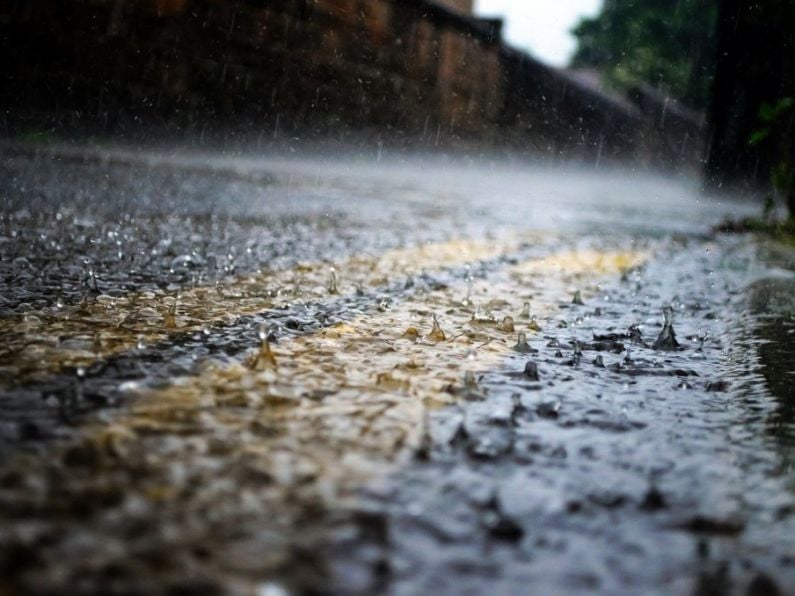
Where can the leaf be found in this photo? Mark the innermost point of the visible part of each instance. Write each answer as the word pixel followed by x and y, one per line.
pixel 767 113
pixel 770 113
pixel 758 136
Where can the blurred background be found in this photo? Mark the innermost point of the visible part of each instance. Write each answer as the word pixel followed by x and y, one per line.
pixel 703 86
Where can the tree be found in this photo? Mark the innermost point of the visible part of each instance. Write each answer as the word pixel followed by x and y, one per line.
pixel 752 117
pixel 669 44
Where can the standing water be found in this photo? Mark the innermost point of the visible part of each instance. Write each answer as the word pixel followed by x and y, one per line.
pixel 268 381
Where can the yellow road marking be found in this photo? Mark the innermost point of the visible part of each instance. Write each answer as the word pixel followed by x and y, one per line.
pixel 39 343
pixel 352 398
pixel 236 457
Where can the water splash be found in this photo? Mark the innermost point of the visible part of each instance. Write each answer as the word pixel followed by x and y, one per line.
pixel 333 285
pixel 264 359
pixel 667 338
pixel 521 344
pixel 436 334
pixel 531 371
pixel 170 318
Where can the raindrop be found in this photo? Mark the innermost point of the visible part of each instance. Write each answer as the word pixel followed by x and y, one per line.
pixel 525 311
pixel 507 325
pixel 470 288
pixel 170 319
pixel 577 299
pixel 264 358
pixel 667 338
pixel 411 333
pixel 521 344
pixel 436 333
pixel 531 371
pixel 332 281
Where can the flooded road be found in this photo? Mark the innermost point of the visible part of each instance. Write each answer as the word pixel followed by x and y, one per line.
pixel 235 374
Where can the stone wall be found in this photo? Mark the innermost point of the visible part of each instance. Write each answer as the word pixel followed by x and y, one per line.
pixel 400 71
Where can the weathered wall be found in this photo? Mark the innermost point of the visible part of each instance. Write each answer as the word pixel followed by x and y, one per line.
pixel 384 69
pixel 300 65
pixel 463 6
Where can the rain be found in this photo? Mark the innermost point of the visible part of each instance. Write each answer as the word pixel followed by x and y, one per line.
pixel 379 297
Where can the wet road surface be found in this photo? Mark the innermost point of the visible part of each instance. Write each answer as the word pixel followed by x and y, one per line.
pixel 231 374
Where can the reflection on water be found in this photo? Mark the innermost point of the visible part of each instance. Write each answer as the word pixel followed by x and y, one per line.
pixel 772 304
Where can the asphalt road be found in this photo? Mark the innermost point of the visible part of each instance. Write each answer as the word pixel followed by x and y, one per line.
pixel 266 375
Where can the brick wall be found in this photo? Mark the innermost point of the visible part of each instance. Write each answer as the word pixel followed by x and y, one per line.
pixel 302 65
pixel 463 6
pixel 397 70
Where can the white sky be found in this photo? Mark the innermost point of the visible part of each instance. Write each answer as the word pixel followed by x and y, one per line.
pixel 540 26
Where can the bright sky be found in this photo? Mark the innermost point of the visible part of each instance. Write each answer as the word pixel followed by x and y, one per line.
pixel 541 26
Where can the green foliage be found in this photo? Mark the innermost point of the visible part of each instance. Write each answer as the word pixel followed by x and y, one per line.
pixel 666 43
pixel 771 119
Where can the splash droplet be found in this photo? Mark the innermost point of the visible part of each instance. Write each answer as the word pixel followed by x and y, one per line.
pixel 264 358
pixel 521 344
pixel 436 333
pixel 333 286
pixel 667 338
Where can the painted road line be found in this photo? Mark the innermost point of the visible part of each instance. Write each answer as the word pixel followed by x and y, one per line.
pixel 40 343
pixel 237 457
